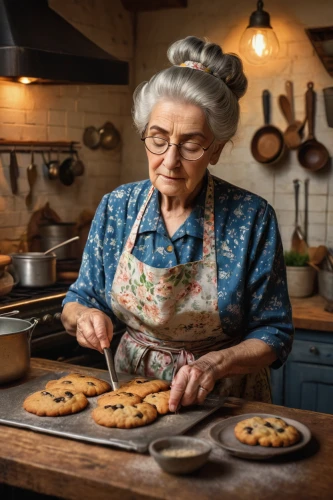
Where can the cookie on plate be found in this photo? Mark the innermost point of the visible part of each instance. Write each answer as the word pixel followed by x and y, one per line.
pixel 160 400
pixel 75 382
pixel 118 397
pixel 124 417
pixel 54 404
pixel 142 386
pixel 268 431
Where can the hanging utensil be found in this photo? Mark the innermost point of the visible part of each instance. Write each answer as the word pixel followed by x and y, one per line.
pixel 306 208
pixel 61 244
pixel 13 172
pixel 293 132
pixel 110 137
pixel 66 175
pixel 312 155
pixel 112 371
pixel 32 176
pixel 91 137
pixel 77 166
pixel 267 145
pixel 51 167
pixel 298 243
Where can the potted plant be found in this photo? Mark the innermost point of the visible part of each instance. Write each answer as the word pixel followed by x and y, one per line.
pixel 300 276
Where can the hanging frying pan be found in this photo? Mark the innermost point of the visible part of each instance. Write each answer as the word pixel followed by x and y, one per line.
pixel 312 155
pixel 267 144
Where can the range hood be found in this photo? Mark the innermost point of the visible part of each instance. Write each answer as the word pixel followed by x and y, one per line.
pixel 39 44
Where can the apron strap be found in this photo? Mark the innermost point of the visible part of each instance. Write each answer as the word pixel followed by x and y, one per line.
pixel 208 252
pixel 182 357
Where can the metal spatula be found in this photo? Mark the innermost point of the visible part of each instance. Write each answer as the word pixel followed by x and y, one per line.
pixel 112 372
pixel 298 243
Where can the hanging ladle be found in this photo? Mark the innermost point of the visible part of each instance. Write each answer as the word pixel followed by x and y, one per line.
pixel 62 244
pixel 312 154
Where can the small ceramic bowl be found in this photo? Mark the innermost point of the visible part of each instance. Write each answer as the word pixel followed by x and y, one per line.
pixel 180 454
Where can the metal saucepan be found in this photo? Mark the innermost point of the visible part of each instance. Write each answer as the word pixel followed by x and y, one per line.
pixel 15 337
pixel 267 145
pixel 312 154
pixel 51 167
pixel 36 269
pixel 110 137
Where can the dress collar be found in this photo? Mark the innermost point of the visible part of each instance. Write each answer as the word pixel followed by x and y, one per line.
pixel 193 226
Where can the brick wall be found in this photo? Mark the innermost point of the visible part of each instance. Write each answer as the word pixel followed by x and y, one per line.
pixel 224 22
pixel 61 113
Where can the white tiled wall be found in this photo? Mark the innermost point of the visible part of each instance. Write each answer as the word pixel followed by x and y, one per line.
pixel 224 22
pixel 61 113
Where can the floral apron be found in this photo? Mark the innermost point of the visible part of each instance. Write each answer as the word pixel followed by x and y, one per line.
pixel 172 314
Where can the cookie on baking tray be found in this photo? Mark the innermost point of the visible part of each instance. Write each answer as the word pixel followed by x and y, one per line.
pixel 267 431
pixel 118 397
pixel 160 400
pixel 54 404
pixel 75 382
pixel 124 416
pixel 142 386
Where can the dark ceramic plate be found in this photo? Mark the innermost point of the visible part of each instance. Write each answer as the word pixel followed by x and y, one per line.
pixel 223 434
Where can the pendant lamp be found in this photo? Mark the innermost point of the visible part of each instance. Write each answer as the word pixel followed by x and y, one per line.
pixel 259 43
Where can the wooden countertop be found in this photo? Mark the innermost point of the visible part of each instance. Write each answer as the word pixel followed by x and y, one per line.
pixel 309 313
pixel 76 470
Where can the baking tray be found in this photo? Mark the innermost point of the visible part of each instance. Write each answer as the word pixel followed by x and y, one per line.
pixel 82 427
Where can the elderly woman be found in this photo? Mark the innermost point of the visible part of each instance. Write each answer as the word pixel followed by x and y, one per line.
pixel 190 263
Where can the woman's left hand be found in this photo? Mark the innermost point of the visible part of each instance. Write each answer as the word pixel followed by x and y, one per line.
pixel 194 382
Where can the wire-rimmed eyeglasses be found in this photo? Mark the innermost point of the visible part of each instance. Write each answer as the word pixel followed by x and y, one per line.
pixel 188 150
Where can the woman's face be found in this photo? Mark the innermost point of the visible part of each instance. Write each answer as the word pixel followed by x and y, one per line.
pixel 178 122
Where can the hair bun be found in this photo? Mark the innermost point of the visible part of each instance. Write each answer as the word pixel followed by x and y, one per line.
pixel 227 67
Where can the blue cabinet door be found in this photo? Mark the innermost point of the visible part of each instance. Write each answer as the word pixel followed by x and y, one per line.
pixel 308 386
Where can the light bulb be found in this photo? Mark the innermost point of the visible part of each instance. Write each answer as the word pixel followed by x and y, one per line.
pixel 259 45
pixel 26 80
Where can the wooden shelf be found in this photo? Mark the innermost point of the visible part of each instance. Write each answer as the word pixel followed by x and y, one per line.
pixel 145 5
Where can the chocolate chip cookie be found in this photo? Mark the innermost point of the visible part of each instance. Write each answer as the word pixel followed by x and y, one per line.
pixel 268 431
pixel 124 416
pixel 55 403
pixel 75 382
pixel 142 386
pixel 117 397
pixel 160 400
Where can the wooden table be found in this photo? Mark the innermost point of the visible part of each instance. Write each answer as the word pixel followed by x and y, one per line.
pixel 76 470
pixel 309 313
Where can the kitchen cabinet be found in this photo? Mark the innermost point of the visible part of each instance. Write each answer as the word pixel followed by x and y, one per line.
pixel 306 379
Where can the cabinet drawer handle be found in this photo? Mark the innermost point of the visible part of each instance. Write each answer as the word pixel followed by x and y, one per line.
pixel 314 350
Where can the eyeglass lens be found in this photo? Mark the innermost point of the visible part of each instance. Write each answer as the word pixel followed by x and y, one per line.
pixel 188 150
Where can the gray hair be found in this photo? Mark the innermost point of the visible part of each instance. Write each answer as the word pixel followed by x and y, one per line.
pixel 216 95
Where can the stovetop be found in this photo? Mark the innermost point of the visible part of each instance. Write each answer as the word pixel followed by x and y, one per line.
pixel 23 296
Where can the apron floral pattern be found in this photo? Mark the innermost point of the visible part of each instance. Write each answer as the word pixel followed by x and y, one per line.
pixel 172 313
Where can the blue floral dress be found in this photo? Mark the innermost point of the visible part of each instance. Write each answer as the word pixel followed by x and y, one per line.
pixel 251 291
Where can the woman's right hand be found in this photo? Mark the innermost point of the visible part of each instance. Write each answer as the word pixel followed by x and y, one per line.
pixel 92 327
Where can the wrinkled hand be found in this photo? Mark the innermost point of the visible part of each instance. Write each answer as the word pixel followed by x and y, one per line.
pixel 94 329
pixel 194 382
